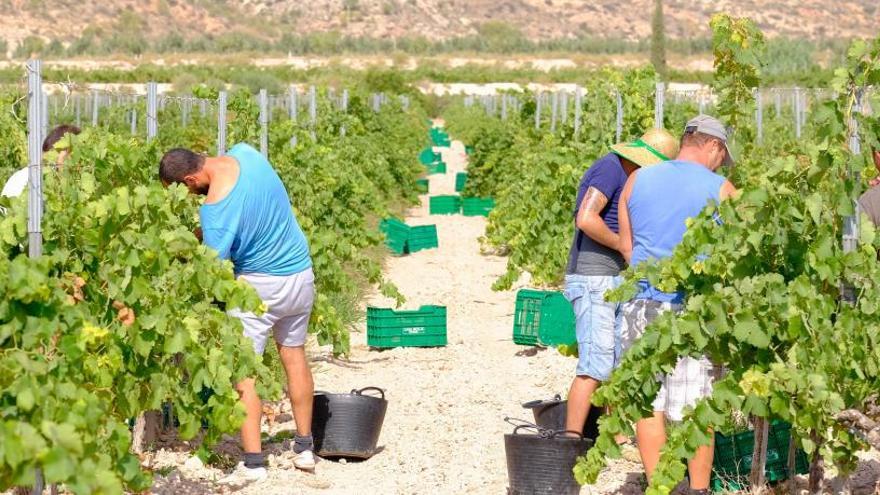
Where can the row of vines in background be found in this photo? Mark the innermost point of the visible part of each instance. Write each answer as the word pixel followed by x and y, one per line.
pixel 126 309
pixel 763 286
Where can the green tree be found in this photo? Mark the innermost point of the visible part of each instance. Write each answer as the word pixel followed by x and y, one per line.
pixel 32 45
pixel 658 40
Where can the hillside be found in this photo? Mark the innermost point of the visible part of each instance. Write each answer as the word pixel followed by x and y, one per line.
pixel 66 20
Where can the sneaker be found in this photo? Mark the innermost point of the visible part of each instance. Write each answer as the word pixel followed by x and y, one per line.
pixel 305 460
pixel 242 474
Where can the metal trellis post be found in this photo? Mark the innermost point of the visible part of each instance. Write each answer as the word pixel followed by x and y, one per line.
pixel 292 111
pixel 264 123
pixel 95 103
pixel 221 123
pixel 152 111
pixel 658 105
pixel 618 131
pixel 759 115
pixel 313 111
pixel 538 100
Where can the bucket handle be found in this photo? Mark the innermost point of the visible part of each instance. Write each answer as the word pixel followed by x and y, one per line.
pixel 540 402
pixel 519 424
pixel 361 391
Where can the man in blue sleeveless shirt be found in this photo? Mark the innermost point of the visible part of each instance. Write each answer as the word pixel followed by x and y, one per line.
pixel 655 204
pixel 594 264
pixel 247 218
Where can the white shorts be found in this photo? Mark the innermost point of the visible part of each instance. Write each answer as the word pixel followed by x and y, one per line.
pixel 289 299
pixel 692 378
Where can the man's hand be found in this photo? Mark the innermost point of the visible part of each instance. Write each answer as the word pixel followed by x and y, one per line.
pixel 198 233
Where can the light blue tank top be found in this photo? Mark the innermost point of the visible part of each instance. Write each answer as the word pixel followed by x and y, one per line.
pixel 663 197
pixel 254 224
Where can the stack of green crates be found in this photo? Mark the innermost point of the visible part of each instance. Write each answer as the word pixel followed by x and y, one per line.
pixel 421 237
pixel 424 327
pixel 543 318
pixel 396 234
pixel 402 238
pixel 460 181
pixel 422 185
pixel 439 137
pixel 444 205
pixel 733 458
pixel 437 168
pixel 475 207
pixel 428 156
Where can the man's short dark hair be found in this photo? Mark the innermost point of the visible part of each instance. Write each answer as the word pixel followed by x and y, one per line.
pixel 58 133
pixel 696 139
pixel 178 163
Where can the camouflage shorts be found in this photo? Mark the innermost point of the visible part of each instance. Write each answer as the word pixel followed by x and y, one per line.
pixel 690 381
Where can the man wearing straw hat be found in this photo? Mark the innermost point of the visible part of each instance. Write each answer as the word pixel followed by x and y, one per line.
pixel 654 206
pixel 595 263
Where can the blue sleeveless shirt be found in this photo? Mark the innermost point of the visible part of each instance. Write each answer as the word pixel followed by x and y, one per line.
pixel 663 197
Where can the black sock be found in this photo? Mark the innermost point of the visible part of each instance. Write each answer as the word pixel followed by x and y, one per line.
pixel 302 444
pixel 257 460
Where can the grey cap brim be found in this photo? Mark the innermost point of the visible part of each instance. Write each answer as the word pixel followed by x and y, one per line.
pixel 728 160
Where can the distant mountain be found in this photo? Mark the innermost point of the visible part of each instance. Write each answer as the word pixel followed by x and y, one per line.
pixel 434 19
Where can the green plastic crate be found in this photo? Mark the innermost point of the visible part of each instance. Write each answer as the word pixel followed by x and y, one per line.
pixel 396 234
pixel 422 237
pixel 422 185
pixel 469 149
pixel 428 156
pixel 475 207
pixel 733 458
pixel 460 181
pixel 543 318
pixel 444 205
pixel 437 168
pixel 439 137
pixel 424 327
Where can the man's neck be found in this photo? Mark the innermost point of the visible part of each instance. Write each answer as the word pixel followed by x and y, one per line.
pixel 223 173
pixel 687 155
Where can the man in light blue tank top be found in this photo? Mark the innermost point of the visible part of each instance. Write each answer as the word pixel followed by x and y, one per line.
pixel 654 207
pixel 247 218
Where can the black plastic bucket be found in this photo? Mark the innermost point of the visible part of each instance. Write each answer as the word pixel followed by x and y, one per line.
pixel 551 414
pixel 540 461
pixel 348 425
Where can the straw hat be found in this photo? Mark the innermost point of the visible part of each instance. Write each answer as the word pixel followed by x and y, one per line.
pixel 655 146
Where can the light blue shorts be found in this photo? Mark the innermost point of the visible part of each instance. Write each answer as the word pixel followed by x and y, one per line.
pixel 596 324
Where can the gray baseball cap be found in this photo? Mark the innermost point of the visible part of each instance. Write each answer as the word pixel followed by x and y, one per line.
pixel 711 127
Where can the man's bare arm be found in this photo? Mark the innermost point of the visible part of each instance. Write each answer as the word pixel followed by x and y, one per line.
pixel 589 218
pixel 626 240
pixel 727 190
